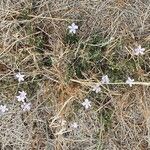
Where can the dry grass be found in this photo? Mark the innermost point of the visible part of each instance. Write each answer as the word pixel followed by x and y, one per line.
pixel 60 70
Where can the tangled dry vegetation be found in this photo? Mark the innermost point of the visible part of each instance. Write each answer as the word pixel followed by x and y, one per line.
pixel 60 68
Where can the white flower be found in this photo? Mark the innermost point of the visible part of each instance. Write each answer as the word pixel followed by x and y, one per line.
pixel 139 50
pixel 20 77
pixel 22 96
pixel 74 125
pixel 129 81
pixel 63 122
pixel 73 28
pixel 86 103
pixel 105 79
pixel 3 109
pixel 26 106
pixel 96 88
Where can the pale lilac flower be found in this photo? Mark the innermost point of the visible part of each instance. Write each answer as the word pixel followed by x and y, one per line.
pixel 105 79
pixel 139 50
pixel 96 88
pixel 26 106
pixel 20 77
pixel 22 96
pixel 74 125
pixel 73 28
pixel 3 109
pixel 86 103
pixel 129 81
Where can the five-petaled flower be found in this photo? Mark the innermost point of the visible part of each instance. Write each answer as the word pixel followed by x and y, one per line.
pixel 96 88
pixel 105 79
pixel 63 122
pixel 129 81
pixel 86 103
pixel 139 50
pixel 26 106
pixel 73 28
pixel 74 125
pixel 20 77
pixel 22 96
pixel 3 109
